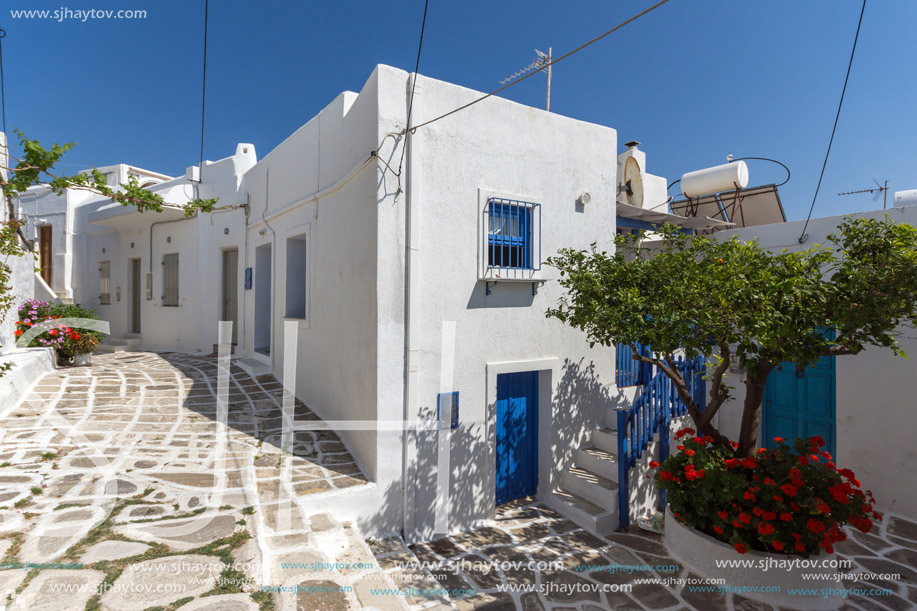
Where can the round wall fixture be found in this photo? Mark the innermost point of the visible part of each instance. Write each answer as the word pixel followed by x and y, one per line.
pixel 225 230
pixel 168 239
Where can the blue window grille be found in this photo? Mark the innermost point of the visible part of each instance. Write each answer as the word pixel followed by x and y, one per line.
pixel 511 234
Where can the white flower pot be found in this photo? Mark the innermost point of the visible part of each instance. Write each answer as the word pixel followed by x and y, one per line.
pixel 698 552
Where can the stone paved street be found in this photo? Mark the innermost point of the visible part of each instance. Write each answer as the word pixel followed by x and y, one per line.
pixel 114 473
pixel 527 532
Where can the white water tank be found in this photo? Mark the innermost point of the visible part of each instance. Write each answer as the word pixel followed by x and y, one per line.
pixel 715 180
pixel 906 198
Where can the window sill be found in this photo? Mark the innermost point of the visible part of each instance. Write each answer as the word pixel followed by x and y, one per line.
pixel 506 274
pixel 301 323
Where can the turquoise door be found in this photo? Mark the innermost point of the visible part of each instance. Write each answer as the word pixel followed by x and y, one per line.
pixel 517 436
pixel 800 405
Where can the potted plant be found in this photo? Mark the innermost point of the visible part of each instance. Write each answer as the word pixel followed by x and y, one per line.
pixel 778 503
pixel 72 343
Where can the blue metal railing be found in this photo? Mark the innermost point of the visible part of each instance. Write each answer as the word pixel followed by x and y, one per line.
pixel 651 413
pixel 629 372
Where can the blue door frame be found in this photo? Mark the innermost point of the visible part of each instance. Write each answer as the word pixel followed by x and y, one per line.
pixel 517 436
pixel 801 405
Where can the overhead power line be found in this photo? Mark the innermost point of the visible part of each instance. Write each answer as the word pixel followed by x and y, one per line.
pixel 803 236
pixel 423 25
pixel 203 89
pixel 2 90
pixel 546 65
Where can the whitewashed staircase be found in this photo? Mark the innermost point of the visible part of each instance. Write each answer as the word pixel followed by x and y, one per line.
pixel 588 490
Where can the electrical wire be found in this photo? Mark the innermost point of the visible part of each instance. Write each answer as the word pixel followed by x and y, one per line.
pixel 530 74
pixel 2 90
pixel 204 89
pixel 772 161
pixel 423 25
pixel 803 236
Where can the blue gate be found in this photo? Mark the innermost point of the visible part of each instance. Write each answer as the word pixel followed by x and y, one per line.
pixel 517 435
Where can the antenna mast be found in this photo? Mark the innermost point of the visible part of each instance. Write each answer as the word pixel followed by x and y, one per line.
pixel 541 60
pixel 877 190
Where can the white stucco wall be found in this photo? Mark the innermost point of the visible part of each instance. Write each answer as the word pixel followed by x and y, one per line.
pixel 503 149
pixel 318 184
pixel 351 348
pixel 876 410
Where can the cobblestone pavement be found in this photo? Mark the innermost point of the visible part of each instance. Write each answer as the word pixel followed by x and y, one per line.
pixel 111 478
pixel 564 557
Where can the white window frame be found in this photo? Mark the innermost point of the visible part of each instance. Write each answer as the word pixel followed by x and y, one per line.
pixel 505 274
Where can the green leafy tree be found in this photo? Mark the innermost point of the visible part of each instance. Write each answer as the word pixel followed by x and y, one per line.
pixel 36 168
pixel 731 300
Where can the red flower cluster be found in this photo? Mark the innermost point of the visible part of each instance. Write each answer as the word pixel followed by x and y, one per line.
pixel 784 500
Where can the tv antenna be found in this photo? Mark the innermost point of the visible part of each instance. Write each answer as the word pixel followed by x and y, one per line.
pixel 878 190
pixel 542 61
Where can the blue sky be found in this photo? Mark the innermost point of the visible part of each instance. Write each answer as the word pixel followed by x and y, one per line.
pixel 693 81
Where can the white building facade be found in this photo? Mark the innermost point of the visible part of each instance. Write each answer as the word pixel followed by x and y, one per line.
pixel 415 291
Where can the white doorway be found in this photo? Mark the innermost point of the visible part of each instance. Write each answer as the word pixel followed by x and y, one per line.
pixel 262 339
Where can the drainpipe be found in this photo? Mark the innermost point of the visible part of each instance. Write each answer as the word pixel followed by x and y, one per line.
pixel 411 323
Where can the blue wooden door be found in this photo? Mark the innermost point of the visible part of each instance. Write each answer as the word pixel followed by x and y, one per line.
pixel 801 405
pixel 517 435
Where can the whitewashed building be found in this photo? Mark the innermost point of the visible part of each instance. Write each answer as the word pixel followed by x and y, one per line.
pixel 416 291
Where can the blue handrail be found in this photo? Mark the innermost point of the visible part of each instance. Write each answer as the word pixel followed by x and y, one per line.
pixel 651 413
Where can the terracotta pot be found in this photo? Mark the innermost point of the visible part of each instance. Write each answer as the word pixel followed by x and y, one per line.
pixel 698 552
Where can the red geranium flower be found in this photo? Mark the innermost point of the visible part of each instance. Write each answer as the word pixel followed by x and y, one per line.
pixel 718 530
pixel 786 516
pixel 740 547
pixel 789 490
pixel 689 452
pixel 770 515
pixel 765 529
pixel 745 518
pixel 800 547
pixel 815 526
pixel 653 464
pixel 777 545
pixel 778 439
pixel 722 513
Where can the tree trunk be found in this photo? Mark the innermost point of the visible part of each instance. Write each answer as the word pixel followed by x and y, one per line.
pixel 751 412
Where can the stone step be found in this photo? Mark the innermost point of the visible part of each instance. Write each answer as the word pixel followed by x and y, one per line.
pixel 598 461
pixel 606 440
pixel 597 520
pixel 611 419
pixel 253 367
pixel 594 488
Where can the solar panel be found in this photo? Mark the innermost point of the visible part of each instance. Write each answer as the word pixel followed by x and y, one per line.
pixel 744 207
